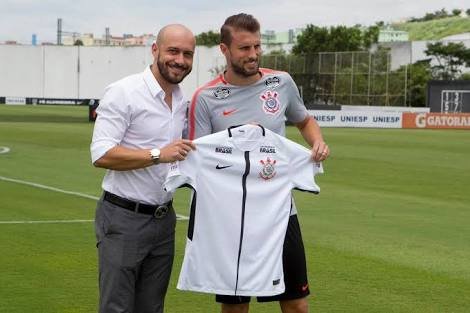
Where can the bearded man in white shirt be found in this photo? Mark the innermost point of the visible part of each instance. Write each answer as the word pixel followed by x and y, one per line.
pixel 139 128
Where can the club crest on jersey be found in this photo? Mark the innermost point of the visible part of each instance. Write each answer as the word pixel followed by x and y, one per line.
pixel 268 171
pixel 272 82
pixel 271 104
pixel 221 92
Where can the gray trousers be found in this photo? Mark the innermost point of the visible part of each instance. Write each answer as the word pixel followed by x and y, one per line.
pixel 135 254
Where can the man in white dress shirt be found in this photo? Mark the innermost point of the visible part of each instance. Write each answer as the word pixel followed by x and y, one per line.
pixel 139 126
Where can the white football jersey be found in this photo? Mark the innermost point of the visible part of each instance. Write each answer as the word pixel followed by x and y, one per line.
pixel 241 179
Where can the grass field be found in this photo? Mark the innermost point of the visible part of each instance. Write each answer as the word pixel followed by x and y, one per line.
pixel 389 232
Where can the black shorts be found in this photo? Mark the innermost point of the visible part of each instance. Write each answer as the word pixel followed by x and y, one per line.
pixel 295 269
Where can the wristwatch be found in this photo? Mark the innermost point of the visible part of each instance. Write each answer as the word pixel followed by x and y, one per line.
pixel 155 155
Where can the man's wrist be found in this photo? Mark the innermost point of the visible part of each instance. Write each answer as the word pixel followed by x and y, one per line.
pixel 155 155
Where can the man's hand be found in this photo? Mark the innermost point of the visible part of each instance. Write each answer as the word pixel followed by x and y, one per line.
pixel 320 151
pixel 312 134
pixel 176 151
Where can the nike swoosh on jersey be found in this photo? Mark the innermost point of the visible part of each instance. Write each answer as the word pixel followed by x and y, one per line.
pixel 222 167
pixel 228 112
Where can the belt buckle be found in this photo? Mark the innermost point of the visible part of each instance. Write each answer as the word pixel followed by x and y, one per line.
pixel 161 211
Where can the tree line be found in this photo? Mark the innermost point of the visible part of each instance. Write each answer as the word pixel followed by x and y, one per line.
pixel 445 62
pixel 439 14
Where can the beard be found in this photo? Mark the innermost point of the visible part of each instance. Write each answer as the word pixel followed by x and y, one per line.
pixel 164 69
pixel 242 71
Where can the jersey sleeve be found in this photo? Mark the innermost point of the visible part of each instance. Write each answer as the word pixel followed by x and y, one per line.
pixel 302 170
pixel 181 173
pixel 296 111
pixel 199 123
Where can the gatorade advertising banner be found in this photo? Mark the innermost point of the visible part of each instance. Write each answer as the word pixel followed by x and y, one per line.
pixel 436 120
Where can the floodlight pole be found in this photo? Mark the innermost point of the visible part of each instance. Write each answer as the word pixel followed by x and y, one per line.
pixel 59 31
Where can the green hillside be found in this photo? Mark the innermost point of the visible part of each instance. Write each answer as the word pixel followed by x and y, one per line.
pixel 435 29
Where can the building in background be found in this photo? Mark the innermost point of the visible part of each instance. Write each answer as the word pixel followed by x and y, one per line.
pixel 70 40
pixel 88 39
pixel 389 34
pixel 272 40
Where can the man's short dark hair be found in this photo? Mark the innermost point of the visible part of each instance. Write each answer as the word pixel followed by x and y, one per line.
pixel 238 22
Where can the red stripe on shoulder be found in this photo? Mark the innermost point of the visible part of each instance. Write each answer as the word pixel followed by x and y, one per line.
pixel 192 107
pixel 269 71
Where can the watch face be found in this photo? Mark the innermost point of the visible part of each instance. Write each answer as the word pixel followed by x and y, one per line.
pixel 155 154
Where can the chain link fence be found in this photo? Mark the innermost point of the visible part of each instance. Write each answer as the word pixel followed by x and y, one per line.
pixel 345 78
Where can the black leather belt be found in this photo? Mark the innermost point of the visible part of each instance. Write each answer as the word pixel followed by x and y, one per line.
pixel 158 211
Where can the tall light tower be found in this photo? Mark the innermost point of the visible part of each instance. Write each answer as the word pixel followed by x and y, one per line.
pixel 59 31
pixel 107 36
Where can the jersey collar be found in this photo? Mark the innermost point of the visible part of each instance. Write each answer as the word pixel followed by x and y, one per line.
pixel 246 137
pixel 263 131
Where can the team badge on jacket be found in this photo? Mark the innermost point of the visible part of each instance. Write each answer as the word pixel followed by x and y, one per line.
pixel 272 82
pixel 221 92
pixel 271 104
pixel 268 171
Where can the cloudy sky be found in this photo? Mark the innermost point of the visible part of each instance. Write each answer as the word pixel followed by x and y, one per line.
pixel 19 19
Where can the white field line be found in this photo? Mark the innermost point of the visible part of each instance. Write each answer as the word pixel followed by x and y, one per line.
pixel 4 150
pixel 73 193
pixel 46 222
pixel 23 182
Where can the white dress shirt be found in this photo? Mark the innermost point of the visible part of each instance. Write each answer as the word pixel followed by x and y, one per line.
pixel 133 114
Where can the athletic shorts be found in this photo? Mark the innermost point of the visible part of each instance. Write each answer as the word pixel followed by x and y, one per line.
pixel 295 269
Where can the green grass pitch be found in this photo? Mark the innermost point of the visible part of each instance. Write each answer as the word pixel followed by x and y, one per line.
pixel 390 231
